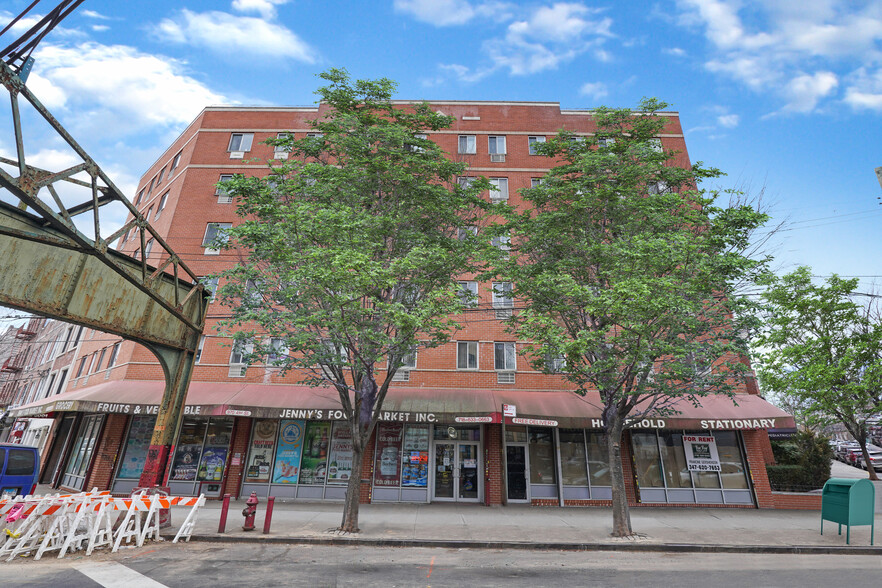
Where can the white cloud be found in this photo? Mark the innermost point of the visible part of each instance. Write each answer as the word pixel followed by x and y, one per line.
pixel 730 121
pixel 444 13
pixel 99 28
pixel 595 90
pixel 675 51
pixel 93 14
pixel 228 34
pixel 805 91
pixel 865 91
pixel 266 8
pixel 116 89
pixel 798 51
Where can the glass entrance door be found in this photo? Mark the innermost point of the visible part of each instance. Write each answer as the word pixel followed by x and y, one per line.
pixel 516 472
pixel 457 471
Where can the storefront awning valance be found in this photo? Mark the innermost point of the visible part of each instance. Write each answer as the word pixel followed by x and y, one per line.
pixel 412 405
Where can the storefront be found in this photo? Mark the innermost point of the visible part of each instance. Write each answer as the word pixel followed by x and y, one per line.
pixel 431 445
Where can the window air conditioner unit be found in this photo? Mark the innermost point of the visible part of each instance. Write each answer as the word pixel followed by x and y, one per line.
pixel 503 313
pixel 401 376
pixel 280 155
pixel 505 377
pixel 237 370
pixel 237 154
pixel 224 199
pixel 497 157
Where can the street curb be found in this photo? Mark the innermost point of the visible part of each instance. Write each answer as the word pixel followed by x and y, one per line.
pixel 518 545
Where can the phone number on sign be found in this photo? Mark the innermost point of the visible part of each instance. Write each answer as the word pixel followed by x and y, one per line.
pixel 700 467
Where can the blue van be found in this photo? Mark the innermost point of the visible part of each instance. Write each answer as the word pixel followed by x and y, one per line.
pixel 19 467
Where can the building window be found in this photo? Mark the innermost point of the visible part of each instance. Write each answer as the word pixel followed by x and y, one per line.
pixel 467 145
pixel 150 189
pixel 498 189
pixel 555 364
pixel 536 182
pixel 161 207
pixel 137 253
pixel 113 354
pixel 210 285
pixel 605 142
pixel 315 135
pixel 503 242
pixel 240 351
pixel 100 360
pixel 542 456
pixel 468 293
pixel 573 461
pixel 199 349
pixel 463 233
pixel 175 163
pixel 160 176
pixel 281 151
pixel 659 187
pixel 215 234
pixel 140 196
pixel 418 148
pixel 465 182
pixel 148 213
pixel 147 248
pixel 467 355
pixel 534 142
pixel 220 191
pixel 278 352
pixel 504 357
pixel 240 142
pixel 502 295
pixel 496 144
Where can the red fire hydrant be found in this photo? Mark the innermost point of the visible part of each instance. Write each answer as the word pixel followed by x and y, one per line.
pixel 249 512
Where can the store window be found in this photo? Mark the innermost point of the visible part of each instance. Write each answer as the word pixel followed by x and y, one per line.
pixel 314 462
pixel 733 473
pixel 387 466
pixel 573 459
pixel 598 458
pixel 134 454
pixel 260 452
pixel 340 456
pixel 646 460
pixel 288 454
pixel 673 459
pixel 415 457
pixel 201 455
pixel 542 456
pixel 81 454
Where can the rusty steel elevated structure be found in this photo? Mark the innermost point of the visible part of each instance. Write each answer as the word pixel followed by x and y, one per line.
pixel 50 266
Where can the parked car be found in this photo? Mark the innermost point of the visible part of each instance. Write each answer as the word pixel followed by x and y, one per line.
pixel 843 449
pixel 875 459
pixel 19 467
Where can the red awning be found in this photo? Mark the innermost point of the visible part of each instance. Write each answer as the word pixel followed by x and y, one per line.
pixel 414 405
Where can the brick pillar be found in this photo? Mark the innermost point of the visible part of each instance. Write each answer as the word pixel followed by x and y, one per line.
pixel 756 463
pixel 766 443
pixel 238 446
pixel 367 470
pixel 100 475
pixel 493 452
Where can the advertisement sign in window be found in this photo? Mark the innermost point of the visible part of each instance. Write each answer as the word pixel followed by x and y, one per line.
pixel 189 450
pixel 260 454
pixel 340 468
pixel 287 468
pixel 386 468
pixel 701 453
pixel 415 457
pixel 132 464
pixel 214 456
pixel 314 465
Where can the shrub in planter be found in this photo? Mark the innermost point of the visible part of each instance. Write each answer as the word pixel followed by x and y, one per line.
pixel 803 463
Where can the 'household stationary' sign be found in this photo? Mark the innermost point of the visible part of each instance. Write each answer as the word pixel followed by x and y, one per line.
pixel 701 453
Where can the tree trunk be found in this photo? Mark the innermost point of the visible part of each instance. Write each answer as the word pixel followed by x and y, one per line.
pixel 871 471
pixel 620 508
pixel 353 492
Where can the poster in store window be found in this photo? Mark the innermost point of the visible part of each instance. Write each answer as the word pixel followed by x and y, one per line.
pixel 386 468
pixel 415 457
pixel 314 466
pixel 287 468
pixel 340 468
pixel 701 453
pixel 137 444
pixel 260 454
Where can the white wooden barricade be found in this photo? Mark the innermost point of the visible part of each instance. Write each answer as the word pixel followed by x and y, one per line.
pixel 190 522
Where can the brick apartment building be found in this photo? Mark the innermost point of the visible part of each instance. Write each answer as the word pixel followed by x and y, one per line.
pixel 249 428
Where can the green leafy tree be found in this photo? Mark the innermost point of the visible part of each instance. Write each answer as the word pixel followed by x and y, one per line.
pixel 351 249
pixel 626 269
pixel 823 350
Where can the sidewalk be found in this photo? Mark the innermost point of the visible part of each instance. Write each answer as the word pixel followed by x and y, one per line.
pixel 525 527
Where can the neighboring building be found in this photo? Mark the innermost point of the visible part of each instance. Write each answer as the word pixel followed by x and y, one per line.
pixel 248 428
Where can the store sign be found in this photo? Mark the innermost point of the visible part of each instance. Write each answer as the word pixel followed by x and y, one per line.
pixel 534 422
pixel 241 413
pixel 738 424
pixel 509 410
pixel 701 453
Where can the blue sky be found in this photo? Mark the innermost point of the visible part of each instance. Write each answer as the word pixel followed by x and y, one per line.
pixel 784 96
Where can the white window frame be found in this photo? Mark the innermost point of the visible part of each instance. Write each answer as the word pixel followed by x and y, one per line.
pixel 500 299
pixel 238 352
pixel 467 145
pixel 277 149
pixel 534 140
pixel 502 242
pixel 468 293
pixel 222 196
pixel 162 202
pixel 175 162
pixel 199 349
pixel 240 142
pixel 148 247
pixel 468 346
pixel 555 364
pixel 536 182
pixel 509 356
pixel 113 355
pixel 463 233
pixel 278 350
pixel 210 285
pixel 211 231
pixel 499 189
pixel 496 145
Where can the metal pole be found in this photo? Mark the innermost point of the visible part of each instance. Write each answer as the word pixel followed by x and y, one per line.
pixel 269 514
pixel 504 461
pixel 223 517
